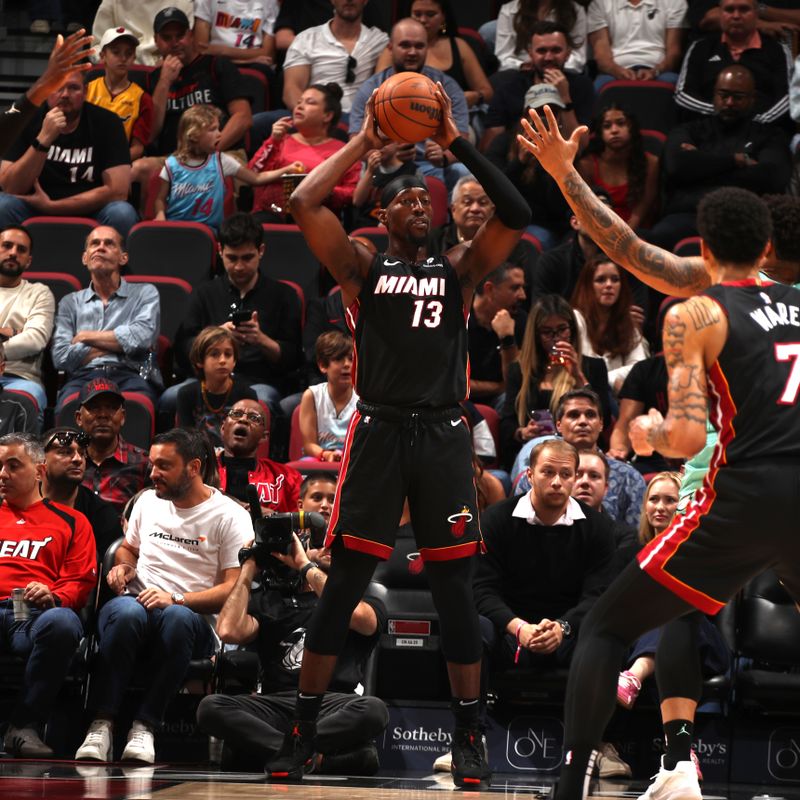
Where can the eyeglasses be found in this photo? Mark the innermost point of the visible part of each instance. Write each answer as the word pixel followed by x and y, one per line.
pixel 66 438
pixel 250 416
pixel 552 333
pixel 350 75
pixel 723 94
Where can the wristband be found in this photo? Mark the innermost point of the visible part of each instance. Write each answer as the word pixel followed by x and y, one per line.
pixel 37 145
pixel 507 342
pixel 304 570
pixel 519 645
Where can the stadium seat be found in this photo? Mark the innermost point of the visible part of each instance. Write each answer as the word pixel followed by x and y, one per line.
pixel 184 250
pixel 138 73
pixel 60 283
pixel 438 192
pixel 690 246
pixel 767 674
pixel 300 296
pixel 295 437
pixel 174 295
pixel 408 664
pixel 651 101
pixel 378 235
pixel 533 241
pixel 288 257
pixel 653 141
pixel 58 244
pixel 140 416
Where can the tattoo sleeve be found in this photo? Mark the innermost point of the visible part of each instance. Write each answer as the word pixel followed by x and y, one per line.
pixel 655 266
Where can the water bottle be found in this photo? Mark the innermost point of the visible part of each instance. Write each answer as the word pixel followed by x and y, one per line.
pixel 147 367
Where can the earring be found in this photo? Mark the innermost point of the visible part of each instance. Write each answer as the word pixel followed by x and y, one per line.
pixel 443 29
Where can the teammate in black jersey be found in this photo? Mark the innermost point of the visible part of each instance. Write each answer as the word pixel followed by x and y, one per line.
pixel 409 316
pixel 734 352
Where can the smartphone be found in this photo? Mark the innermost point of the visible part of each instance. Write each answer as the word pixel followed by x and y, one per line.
pixel 544 419
pixel 240 317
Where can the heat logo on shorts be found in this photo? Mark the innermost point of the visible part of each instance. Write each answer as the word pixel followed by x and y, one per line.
pixel 415 563
pixel 458 522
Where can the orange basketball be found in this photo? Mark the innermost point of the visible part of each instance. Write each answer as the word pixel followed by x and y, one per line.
pixel 406 107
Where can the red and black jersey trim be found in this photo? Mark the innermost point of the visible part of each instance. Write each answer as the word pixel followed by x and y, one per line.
pixel 654 558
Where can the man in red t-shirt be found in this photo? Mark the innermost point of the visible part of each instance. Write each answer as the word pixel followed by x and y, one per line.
pixel 244 428
pixel 48 550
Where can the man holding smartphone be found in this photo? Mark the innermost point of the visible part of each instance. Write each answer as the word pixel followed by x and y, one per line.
pixel 263 314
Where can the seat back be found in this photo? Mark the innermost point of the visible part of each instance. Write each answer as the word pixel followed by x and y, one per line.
pixel 288 257
pixel 139 426
pixel 651 101
pixel 295 436
pixel 438 192
pixel 173 296
pixel 378 235
pixel 59 283
pixel 256 84
pixel 768 625
pixel 184 250
pixel 300 296
pixel 493 421
pixel 690 246
pixel 654 142
pixel 59 242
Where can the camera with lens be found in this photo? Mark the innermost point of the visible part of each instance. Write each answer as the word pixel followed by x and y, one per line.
pixel 273 534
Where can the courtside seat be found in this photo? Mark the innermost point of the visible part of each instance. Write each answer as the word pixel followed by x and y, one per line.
pixel 408 663
pixel 378 235
pixel 60 283
pixel 59 242
pixel 651 101
pixel 140 416
pixel 767 675
pixel 184 250
pixel 690 246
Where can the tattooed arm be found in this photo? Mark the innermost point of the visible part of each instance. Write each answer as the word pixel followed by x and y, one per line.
pixel 694 333
pixel 658 268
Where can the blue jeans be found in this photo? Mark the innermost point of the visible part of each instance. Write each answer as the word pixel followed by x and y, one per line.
pixel 48 640
pixel 119 215
pixel 170 636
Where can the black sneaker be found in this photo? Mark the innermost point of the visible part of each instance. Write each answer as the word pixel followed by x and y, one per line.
pixel 470 765
pixel 360 761
pixel 295 757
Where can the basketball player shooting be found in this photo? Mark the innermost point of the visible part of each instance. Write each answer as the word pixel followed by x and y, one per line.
pixel 736 526
pixel 408 313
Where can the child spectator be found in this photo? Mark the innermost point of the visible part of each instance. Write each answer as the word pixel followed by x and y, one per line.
pixel 193 177
pixel 116 92
pixel 326 408
pixel 204 404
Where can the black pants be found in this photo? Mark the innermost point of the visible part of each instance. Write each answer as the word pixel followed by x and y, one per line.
pixel 253 726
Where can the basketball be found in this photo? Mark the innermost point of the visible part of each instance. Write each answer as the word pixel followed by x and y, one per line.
pixel 406 107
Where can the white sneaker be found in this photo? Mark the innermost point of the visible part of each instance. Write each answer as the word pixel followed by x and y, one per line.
pixel 97 744
pixel 674 784
pixel 140 746
pixel 610 764
pixel 443 763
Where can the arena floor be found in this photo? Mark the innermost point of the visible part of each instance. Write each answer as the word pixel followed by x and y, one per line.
pixel 65 780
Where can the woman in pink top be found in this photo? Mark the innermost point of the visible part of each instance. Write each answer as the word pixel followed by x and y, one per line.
pixel 314 117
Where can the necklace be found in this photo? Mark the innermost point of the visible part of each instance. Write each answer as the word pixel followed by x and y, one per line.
pixel 208 405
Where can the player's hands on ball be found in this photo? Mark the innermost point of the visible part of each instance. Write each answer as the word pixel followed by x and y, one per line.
pixel 448 131
pixel 641 430
pixel 375 138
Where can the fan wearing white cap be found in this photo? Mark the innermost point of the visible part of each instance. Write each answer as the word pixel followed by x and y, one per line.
pixel 116 92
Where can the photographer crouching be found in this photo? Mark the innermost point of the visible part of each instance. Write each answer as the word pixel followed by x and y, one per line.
pixel 289 572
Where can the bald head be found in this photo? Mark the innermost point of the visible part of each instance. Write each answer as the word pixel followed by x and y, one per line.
pixel 408 45
pixel 734 94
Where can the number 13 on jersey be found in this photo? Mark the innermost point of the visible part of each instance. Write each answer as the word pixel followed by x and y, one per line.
pixel 427 313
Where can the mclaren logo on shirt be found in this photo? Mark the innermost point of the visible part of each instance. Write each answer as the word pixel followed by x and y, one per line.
pixel 168 537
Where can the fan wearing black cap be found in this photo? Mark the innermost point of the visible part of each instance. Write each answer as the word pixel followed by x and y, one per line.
pixel 115 469
pixel 409 315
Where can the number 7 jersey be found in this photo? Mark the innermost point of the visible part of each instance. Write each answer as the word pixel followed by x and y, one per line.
pixel 754 385
pixel 410 328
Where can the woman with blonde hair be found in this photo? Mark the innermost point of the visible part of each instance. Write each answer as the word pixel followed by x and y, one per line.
pixel 550 364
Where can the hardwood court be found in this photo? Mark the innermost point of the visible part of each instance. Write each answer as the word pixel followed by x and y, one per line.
pixel 64 780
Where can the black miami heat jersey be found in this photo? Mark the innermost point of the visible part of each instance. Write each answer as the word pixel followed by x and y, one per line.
pixel 754 386
pixel 410 329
